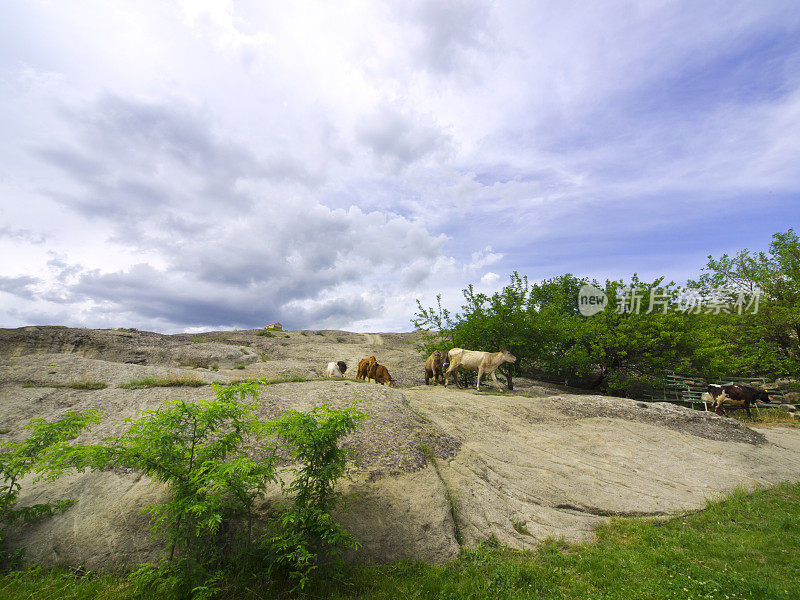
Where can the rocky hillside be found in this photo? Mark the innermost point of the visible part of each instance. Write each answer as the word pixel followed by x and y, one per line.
pixel 435 467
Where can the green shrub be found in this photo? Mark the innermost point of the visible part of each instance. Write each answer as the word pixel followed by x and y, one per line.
pixel 202 450
pixel 266 333
pixel 45 452
pixel 306 528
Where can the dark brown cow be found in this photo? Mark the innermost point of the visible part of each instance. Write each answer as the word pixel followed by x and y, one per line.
pixel 738 394
pixel 381 375
pixel 434 366
pixel 342 366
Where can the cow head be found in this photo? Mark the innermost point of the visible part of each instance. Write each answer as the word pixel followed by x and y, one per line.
pixel 507 356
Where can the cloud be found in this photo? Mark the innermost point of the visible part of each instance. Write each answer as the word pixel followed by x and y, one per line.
pixel 402 138
pixel 22 287
pixel 447 31
pixel 23 235
pixel 490 279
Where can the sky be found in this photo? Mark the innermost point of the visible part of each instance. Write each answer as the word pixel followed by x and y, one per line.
pixel 208 164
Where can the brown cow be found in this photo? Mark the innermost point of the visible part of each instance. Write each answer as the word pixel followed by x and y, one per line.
pixel 434 366
pixel 381 375
pixel 364 365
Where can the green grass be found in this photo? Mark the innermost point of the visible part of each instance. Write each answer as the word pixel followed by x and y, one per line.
pixel 746 547
pixel 765 416
pixel 265 333
pixel 199 339
pixel 318 333
pixel 341 340
pixel 85 384
pixel 169 381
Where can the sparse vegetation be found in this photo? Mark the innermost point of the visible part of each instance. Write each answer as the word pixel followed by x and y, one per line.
pixel 520 527
pixel 199 339
pixel 127 329
pixel 266 333
pixel 84 384
pixel 239 366
pixel 168 381
pixel 319 333
pixel 341 340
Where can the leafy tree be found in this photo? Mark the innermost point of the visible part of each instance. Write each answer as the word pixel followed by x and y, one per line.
pixel 769 340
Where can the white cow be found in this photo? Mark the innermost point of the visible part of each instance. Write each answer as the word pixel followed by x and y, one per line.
pixel 333 370
pixel 475 360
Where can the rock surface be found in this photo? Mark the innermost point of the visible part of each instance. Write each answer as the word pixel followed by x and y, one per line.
pixel 544 461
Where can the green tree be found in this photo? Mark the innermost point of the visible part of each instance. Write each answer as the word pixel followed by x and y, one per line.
pixel 767 333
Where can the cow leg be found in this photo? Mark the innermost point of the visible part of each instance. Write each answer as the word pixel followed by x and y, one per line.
pixel 496 383
pixel 455 377
pixel 747 408
pixel 427 376
pixel 480 374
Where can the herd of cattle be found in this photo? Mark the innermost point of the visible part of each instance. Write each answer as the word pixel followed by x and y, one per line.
pixel 440 365
pixel 437 365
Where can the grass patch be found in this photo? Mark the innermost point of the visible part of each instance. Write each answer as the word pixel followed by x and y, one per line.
pixel 766 416
pixel 318 333
pixel 265 333
pixel 85 384
pixel 341 340
pixel 127 329
pixel 199 339
pixel 274 380
pixel 303 333
pixel 520 527
pixel 169 381
pixel 744 547
pixel 239 366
